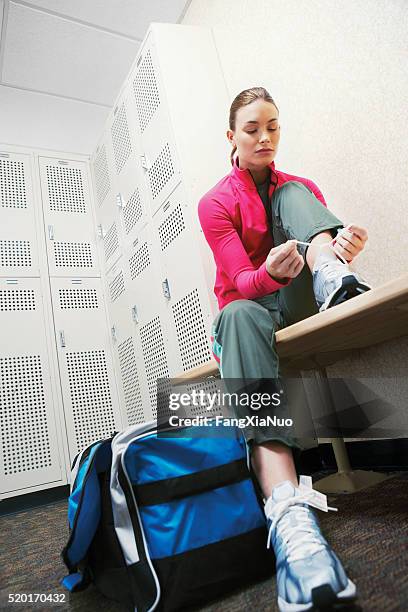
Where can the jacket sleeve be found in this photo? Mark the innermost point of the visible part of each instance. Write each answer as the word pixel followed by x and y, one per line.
pixel 229 253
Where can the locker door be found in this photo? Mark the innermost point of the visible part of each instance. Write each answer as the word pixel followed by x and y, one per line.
pixel 149 305
pixel 107 212
pixel 18 236
pixel 28 440
pixel 132 385
pixel 130 191
pixel 101 173
pixel 159 155
pixel 68 219
pixel 86 371
pixel 189 312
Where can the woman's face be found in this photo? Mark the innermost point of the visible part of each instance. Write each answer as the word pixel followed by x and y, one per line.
pixel 256 134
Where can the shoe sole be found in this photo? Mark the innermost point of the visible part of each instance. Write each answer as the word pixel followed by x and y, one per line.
pixel 350 287
pixel 324 599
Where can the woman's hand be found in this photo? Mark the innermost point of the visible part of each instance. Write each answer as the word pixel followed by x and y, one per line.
pixel 351 242
pixel 284 261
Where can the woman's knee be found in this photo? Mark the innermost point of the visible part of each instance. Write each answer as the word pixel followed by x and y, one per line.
pixel 293 192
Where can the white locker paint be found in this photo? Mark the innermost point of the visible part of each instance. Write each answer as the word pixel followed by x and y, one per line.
pixel 30 453
pixel 68 218
pixel 132 385
pixel 145 297
pixel 86 369
pixel 178 253
pixel 18 231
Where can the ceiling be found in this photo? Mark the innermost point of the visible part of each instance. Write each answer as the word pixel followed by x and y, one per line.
pixel 76 49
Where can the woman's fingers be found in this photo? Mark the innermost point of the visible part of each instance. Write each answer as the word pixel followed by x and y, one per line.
pixel 349 247
pixel 284 261
pixel 350 242
pixel 361 232
pixel 295 266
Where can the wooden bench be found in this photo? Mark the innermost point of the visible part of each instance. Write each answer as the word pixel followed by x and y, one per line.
pixel 314 343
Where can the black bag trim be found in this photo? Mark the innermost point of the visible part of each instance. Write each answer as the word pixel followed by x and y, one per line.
pixel 169 489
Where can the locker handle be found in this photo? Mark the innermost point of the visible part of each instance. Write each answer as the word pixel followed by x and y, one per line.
pixel 51 232
pixel 113 332
pixel 135 316
pixel 145 162
pixel 166 289
pixel 62 338
pixel 119 200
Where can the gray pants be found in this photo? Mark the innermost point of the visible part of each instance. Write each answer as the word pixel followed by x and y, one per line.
pixel 244 331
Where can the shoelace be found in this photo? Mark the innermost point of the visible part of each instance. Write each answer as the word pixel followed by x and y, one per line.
pixel 286 531
pixel 330 244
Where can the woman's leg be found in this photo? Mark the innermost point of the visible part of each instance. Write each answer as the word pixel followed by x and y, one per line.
pixel 244 343
pixel 309 574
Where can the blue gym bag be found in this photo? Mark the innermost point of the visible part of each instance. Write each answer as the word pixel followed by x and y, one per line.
pixel 165 523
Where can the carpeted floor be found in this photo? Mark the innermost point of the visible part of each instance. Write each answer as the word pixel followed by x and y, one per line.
pixel 369 533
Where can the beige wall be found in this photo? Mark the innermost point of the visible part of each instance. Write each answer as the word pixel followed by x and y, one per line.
pixel 338 72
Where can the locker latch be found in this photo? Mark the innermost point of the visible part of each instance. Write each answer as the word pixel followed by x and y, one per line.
pixel 145 162
pixel 113 333
pixel 99 231
pixel 51 232
pixel 119 200
pixel 62 338
pixel 166 288
pixel 135 316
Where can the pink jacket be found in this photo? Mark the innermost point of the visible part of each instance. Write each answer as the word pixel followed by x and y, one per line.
pixel 234 223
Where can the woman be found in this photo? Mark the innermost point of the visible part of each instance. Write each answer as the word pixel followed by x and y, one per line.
pixel 254 220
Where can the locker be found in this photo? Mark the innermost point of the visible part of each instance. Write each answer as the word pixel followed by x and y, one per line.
pixel 109 240
pixel 158 149
pixel 146 297
pixel 134 397
pixel 29 451
pixel 191 317
pixel 68 218
pixel 87 380
pixel 18 236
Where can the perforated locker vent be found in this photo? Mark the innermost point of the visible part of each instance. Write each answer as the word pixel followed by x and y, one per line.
pixel 111 241
pixel 15 253
pixel 66 189
pixel 132 212
pixel 191 332
pixel 72 254
pixel 101 173
pixel 139 261
pixel 122 146
pixel 12 184
pixel 130 382
pixel 90 396
pixel 154 356
pixel 23 416
pixel 146 91
pixel 75 299
pixel 171 227
pixel 116 287
pixel 161 171
pixel 17 299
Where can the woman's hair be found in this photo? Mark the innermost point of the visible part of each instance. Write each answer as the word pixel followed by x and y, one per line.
pixel 242 99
